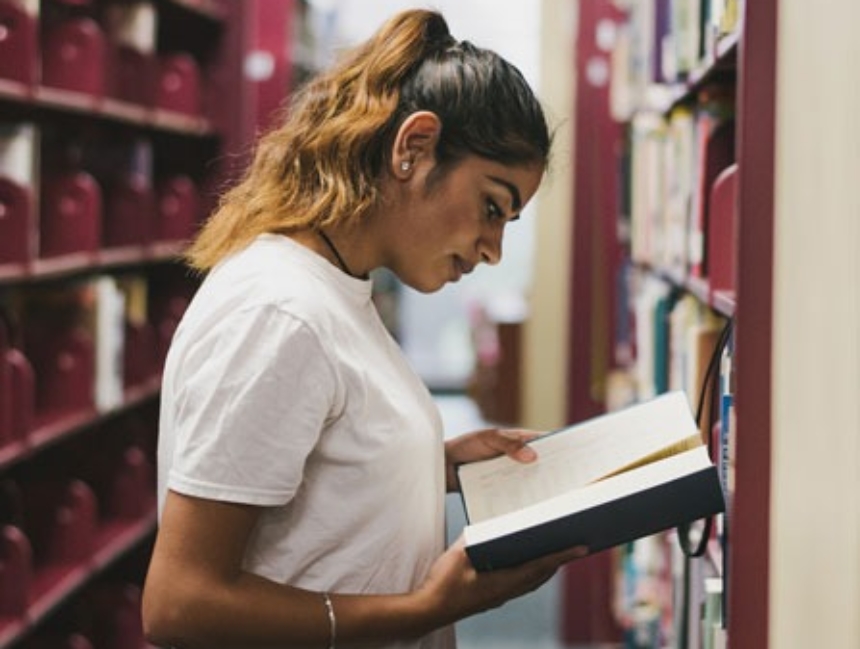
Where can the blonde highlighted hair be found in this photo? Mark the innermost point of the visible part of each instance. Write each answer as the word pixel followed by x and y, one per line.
pixel 322 164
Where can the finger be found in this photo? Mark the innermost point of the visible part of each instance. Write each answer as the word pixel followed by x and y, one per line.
pixel 551 562
pixel 568 555
pixel 555 561
pixel 514 444
pixel 524 454
pixel 545 566
pixel 539 577
pixel 520 434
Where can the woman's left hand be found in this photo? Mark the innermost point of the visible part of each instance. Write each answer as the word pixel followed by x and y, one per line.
pixel 486 444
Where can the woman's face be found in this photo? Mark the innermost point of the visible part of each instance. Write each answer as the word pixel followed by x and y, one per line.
pixel 445 226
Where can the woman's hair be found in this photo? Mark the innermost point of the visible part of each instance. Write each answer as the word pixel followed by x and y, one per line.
pixel 323 163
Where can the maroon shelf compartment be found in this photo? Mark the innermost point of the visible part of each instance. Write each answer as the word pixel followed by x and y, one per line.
pixel 74 529
pixel 54 585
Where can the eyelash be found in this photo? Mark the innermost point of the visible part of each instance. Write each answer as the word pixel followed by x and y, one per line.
pixel 494 213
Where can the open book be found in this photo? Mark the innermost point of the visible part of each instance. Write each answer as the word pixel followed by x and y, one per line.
pixel 609 480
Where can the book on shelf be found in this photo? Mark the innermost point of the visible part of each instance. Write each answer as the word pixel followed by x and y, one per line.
pixel 107 322
pixel 715 151
pixel 651 304
pixel 19 46
pixel 680 182
pixel 721 250
pixel 133 25
pixel 19 186
pixel 606 481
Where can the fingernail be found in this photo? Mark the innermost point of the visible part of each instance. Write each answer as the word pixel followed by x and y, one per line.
pixel 527 454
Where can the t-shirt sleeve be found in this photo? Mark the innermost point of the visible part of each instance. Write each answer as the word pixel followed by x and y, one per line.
pixel 251 397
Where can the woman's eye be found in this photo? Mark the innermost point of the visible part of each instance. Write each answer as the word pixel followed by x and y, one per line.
pixel 493 211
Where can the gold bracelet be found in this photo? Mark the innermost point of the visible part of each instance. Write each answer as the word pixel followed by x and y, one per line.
pixel 332 621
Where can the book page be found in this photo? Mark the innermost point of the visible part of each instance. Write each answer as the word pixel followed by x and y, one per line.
pixel 686 444
pixel 578 455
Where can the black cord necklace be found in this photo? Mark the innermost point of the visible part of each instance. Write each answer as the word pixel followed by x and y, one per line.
pixel 336 254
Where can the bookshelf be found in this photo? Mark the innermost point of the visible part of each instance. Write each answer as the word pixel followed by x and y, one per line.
pixel 114 121
pixel 673 238
pixel 94 108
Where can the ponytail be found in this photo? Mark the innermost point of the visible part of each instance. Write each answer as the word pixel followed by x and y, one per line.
pixel 322 165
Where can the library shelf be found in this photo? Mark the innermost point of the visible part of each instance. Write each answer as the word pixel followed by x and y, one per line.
pixel 665 155
pixel 60 101
pixel 55 429
pixel 54 585
pixel 91 263
pixel 77 161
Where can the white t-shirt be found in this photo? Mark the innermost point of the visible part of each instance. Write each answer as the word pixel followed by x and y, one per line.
pixel 283 389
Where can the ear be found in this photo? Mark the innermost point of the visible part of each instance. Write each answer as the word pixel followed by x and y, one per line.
pixel 415 143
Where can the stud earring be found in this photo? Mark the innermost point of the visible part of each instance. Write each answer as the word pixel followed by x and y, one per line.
pixel 405 165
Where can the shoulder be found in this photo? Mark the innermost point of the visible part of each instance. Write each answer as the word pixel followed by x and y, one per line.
pixel 275 272
pixel 250 335
pixel 275 286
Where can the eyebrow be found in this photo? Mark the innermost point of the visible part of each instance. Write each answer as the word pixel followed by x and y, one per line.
pixel 516 199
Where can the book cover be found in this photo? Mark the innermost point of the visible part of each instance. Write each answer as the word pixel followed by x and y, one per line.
pixel 600 483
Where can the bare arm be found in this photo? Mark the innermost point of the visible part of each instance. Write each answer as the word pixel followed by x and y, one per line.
pixel 197 594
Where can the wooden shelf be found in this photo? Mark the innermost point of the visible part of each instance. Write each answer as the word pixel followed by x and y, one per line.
pixel 48 433
pixel 664 161
pixel 106 109
pixel 722 302
pixel 721 63
pixel 78 264
pixel 112 140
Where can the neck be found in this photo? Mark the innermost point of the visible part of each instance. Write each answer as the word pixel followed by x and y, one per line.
pixel 337 256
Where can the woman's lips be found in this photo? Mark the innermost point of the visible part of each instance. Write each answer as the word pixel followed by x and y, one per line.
pixel 461 267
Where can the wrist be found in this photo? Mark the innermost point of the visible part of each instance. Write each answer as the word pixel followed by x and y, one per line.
pixel 383 618
pixel 452 482
pixel 427 611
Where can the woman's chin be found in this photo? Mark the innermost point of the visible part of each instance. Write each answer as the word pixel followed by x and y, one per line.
pixel 427 284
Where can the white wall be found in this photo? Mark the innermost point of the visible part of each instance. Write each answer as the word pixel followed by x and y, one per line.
pixel 545 340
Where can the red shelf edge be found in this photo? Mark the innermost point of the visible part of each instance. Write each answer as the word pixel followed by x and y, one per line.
pixel 721 301
pixel 11 629
pixel 90 262
pixel 59 582
pixel 108 108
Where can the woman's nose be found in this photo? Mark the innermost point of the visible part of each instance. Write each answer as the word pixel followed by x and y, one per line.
pixel 490 246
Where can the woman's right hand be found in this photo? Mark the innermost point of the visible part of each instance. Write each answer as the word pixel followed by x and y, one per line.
pixel 455 590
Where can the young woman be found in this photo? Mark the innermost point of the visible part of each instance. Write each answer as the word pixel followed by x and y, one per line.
pixel 302 468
